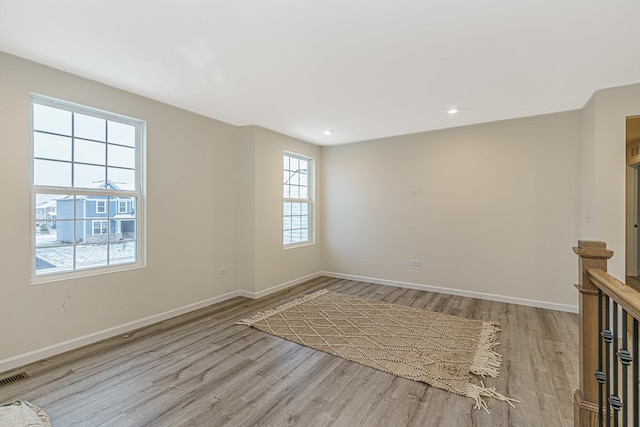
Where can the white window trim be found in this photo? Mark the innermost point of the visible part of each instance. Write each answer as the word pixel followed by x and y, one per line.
pixel 101 221
pixel 104 208
pixel 139 193
pixel 122 203
pixel 310 201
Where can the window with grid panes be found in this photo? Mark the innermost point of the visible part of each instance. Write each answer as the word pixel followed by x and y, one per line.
pixel 99 227
pixel 298 199
pixel 88 164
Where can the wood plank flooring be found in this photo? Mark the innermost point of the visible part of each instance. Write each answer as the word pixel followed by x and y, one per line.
pixel 201 369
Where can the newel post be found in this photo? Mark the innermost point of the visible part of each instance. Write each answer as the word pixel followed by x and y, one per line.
pixel 592 255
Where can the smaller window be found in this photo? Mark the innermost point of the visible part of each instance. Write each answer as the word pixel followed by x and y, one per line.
pixel 122 207
pixel 99 227
pixel 298 199
pixel 101 206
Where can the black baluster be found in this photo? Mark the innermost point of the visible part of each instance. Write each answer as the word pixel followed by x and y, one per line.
pixel 625 359
pixel 635 377
pixel 600 376
pixel 616 404
pixel 608 337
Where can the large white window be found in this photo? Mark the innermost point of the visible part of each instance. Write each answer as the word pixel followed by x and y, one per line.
pixel 297 200
pixel 86 164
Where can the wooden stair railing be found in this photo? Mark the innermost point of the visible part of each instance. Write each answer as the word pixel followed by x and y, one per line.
pixel 606 395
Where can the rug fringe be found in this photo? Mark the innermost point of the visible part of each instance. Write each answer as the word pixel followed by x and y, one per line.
pixel 487 362
pixel 268 313
pixel 478 392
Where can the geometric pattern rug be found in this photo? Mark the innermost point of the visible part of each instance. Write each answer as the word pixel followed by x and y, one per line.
pixel 438 349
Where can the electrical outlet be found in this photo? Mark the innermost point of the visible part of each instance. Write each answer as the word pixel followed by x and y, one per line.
pixel 415 263
pixel 415 191
pixel 224 270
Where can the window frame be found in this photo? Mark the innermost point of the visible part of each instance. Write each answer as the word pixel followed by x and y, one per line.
pixel 104 206
pixel 101 221
pixel 138 194
pixel 310 200
pixel 122 203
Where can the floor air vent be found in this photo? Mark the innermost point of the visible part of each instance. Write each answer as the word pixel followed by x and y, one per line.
pixel 13 379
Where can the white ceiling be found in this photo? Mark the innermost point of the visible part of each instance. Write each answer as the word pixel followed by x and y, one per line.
pixel 364 68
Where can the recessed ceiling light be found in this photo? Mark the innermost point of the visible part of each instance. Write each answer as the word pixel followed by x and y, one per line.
pixel 327 132
pixel 453 110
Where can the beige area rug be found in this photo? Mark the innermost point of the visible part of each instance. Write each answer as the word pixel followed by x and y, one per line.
pixel 21 413
pixel 420 345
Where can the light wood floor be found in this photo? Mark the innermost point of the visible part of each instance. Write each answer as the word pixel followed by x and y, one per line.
pixel 201 369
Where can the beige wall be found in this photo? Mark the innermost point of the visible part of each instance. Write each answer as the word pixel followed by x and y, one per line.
pixel 501 204
pixel 245 209
pixel 262 264
pixel 606 141
pixel 273 264
pixel 588 213
pixel 190 222
pixel 213 200
pixel 496 214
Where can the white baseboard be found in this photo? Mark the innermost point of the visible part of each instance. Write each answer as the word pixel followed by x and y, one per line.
pixel 459 292
pixel 290 283
pixel 43 353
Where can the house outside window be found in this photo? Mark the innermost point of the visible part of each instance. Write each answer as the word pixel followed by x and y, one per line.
pixel 297 200
pixel 86 164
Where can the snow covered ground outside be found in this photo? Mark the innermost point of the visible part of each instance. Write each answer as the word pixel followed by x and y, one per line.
pixel 59 258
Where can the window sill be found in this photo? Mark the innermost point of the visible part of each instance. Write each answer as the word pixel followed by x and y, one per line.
pixel 298 245
pixel 57 277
